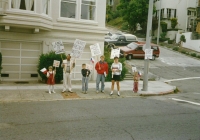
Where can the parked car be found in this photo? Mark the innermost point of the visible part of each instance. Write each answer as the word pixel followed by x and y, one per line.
pixel 135 50
pixel 108 35
pixel 120 39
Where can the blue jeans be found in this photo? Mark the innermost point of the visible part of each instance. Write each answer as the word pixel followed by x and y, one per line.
pixel 100 78
pixel 85 83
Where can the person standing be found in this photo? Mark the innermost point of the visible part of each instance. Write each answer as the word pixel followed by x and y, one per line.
pixel 116 69
pixel 85 74
pixel 51 79
pixel 67 66
pixel 102 70
pixel 136 78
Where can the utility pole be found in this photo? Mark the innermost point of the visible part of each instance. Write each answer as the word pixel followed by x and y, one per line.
pixel 158 34
pixel 148 43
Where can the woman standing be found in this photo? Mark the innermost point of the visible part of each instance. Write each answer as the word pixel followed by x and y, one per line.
pixel 116 69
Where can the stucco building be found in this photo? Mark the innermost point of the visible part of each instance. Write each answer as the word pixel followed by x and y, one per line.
pixel 28 27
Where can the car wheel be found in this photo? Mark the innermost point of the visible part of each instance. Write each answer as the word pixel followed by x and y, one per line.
pixel 129 57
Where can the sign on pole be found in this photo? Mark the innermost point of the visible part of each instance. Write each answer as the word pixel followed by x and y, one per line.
pixel 148 53
pixel 95 49
pixel 115 52
pixel 58 47
pixel 78 48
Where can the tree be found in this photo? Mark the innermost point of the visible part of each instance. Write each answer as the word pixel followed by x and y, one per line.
pixel 135 11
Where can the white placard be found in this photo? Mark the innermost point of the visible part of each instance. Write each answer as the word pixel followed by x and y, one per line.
pixel 89 67
pixel 115 52
pixel 148 53
pixel 64 61
pixel 78 48
pixel 95 49
pixel 56 63
pixel 58 47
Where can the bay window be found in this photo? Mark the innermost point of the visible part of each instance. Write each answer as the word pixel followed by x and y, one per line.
pixel 88 9
pixel 23 4
pixel 68 8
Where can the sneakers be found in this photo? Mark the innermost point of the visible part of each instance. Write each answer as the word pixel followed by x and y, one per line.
pixel 85 92
pixel 49 92
pixel 63 90
pixel 111 93
pixel 102 91
pixel 70 91
pixel 118 93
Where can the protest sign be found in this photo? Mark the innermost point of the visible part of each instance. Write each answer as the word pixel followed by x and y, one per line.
pixel 115 52
pixel 148 53
pixel 58 47
pixel 44 70
pixel 95 49
pixel 78 48
pixel 56 63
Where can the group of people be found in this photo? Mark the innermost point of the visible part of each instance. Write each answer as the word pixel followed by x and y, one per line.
pixel 102 69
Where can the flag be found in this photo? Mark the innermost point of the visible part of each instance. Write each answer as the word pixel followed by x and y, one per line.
pixel 44 70
pixel 92 59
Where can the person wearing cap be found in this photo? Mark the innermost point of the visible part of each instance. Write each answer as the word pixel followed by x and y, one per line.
pixel 116 69
pixel 67 66
pixel 102 70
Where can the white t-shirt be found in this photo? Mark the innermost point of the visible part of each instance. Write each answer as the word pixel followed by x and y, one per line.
pixel 117 66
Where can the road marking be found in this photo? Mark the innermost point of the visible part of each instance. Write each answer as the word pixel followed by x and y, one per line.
pixel 185 101
pixel 182 79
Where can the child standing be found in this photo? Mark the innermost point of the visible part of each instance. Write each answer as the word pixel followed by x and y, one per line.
pixel 136 78
pixel 51 79
pixel 85 74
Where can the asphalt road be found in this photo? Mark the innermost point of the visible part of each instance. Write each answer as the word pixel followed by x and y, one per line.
pixel 104 119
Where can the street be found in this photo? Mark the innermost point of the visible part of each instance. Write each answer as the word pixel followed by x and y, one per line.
pixel 173 116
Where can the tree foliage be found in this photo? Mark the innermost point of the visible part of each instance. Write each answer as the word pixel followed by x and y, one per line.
pixel 135 11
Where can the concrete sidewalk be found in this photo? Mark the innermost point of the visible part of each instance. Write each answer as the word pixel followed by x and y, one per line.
pixel 11 92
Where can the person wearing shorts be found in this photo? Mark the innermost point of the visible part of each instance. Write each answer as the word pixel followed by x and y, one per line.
pixel 116 69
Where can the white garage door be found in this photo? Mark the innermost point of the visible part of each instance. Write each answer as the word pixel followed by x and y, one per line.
pixel 19 60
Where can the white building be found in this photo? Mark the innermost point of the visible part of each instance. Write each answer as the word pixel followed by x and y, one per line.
pixel 183 10
pixel 28 27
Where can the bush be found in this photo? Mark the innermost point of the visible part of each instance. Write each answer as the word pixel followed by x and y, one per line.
pixel 173 22
pixel 176 48
pixel 183 51
pixel 170 41
pixel 110 61
pixel 124 26
pixel 182 38
pixel 193 54
pixel 164 26
pixel 198 56
pixel 46 60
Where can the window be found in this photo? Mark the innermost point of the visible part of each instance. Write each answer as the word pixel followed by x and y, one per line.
pixel 68 8
pixel 88 9
pixel 162 13
pixel 45 6
pixel 23 4
pixel 110 2
pixel 169 11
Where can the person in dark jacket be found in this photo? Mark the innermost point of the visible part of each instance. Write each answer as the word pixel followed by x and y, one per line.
pixel 85 74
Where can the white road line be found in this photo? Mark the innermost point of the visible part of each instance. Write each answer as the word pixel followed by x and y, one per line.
pixel 185 101
pixel 182 79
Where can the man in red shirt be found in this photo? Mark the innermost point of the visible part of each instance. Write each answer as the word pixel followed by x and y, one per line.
pixel 102 71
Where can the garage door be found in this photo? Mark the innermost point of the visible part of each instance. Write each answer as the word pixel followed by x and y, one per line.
pixel 19 60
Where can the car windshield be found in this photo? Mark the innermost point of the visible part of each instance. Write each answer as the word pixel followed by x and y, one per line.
pixel 132 46
pixel 114 37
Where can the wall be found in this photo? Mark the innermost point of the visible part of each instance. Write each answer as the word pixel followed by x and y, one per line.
pixel 190 44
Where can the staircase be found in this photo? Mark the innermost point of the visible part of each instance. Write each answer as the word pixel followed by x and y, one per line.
pixel 128 76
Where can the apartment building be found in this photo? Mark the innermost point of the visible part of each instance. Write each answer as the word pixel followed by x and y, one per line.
pixel 28 28
pixel 183 10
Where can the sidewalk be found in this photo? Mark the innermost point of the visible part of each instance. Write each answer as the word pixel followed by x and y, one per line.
pixel 11 92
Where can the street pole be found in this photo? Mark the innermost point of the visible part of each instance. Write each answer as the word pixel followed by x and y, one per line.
pixel 148 42
pixel 158 34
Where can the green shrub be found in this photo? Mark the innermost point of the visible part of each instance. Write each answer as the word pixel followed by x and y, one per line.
pixel 193 54
pixel 110 61
pixel 164 26
pixel 46 60
pixel 182 38
pixel 173 22
pixel 170 41
pixel 0 62
pixel 183 51
pixel 176 48
pixel 124 26
pixel 198 56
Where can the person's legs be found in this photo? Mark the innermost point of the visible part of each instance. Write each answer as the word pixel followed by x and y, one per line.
pixel 86 84
pixel 52 86
pixel 64 82
pixel 97 82
pixel 102 82
pixel 83 84
pixel 69 82
pixel 118 88
pixel 49 89
pixel 112 86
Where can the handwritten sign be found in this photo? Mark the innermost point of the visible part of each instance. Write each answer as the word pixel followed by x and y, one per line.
pixel 56 63
pixel 95 49
pixel 115 52
pixel 78 48
pixel 148 53
pixel 58 47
